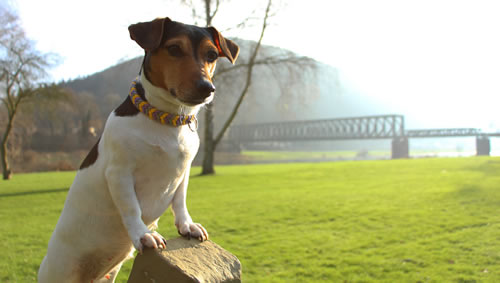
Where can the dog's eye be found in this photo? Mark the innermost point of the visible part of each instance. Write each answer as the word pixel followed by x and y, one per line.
pixel 175 50
pixel 212 56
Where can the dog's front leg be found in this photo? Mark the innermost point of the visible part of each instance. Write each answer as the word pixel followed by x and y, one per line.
pixel 183 221
pixel 121 186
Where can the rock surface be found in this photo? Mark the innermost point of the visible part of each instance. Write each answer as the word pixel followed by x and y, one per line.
pixel 186 261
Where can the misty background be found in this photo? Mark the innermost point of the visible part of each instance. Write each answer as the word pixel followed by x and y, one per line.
pixel 435 62
pixel 440 57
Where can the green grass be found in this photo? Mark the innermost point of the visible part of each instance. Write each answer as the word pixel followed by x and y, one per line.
pixel 423 220
pixel 310 155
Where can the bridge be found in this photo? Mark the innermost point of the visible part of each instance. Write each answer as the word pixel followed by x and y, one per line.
pixel 452 132
pixel 368 127
pixel 353 128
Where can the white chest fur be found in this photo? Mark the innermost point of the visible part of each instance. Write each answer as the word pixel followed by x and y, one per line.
pixel 160 156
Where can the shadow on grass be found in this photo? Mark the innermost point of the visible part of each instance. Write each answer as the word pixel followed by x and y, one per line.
pixel 489 168
pixel 34 192
pixel 475 197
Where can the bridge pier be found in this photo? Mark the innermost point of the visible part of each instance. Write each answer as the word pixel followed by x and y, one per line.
pixel 400 148
pixel 483 146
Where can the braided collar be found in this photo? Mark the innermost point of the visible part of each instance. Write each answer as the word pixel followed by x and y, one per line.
pixel 157 115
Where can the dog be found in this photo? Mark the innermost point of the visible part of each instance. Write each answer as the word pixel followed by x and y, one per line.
pixel 140 165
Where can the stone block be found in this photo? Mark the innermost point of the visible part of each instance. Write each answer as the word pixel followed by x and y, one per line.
pixel 186 261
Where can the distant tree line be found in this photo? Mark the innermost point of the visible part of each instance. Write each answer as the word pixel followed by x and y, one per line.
pixel 22 68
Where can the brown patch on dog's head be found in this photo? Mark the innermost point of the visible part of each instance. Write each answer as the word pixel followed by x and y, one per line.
pixel 226 47
pixel 181 58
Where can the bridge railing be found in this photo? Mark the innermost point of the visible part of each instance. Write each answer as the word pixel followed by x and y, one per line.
pixel 451 132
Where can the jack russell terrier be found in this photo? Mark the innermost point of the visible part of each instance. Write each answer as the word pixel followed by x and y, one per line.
pixel 140 165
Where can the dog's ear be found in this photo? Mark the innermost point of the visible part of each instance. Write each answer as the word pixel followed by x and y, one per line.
pixel 148 34
pixel 227 47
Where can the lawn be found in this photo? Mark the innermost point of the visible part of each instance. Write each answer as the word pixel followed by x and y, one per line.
pixel 417 220
pixel 288 156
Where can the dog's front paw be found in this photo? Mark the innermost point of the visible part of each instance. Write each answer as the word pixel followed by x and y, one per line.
pixel 192 230
pixel 150 240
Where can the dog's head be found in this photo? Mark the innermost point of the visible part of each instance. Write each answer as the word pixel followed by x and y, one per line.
pixel 181 58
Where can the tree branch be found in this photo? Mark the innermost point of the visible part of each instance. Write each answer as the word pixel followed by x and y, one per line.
pixel 251 64
pixel 194 14
pixel 209 15
pixel 243 23
pixel 217 5
pixel 291 59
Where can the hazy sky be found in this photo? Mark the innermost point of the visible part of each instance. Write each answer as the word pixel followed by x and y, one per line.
pixel 436 61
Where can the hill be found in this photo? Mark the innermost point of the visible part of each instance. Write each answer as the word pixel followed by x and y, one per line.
pixel 280 92
pixel 314 91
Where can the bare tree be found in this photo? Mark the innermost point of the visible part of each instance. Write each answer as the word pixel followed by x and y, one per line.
pixel 245 69
pixel 21 67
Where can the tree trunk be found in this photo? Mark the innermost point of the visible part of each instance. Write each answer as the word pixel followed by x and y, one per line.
pixel 209 145
pixel 208 140
pixel 7 173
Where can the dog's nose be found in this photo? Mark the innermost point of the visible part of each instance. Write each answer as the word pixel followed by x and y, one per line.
pixel 205 87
